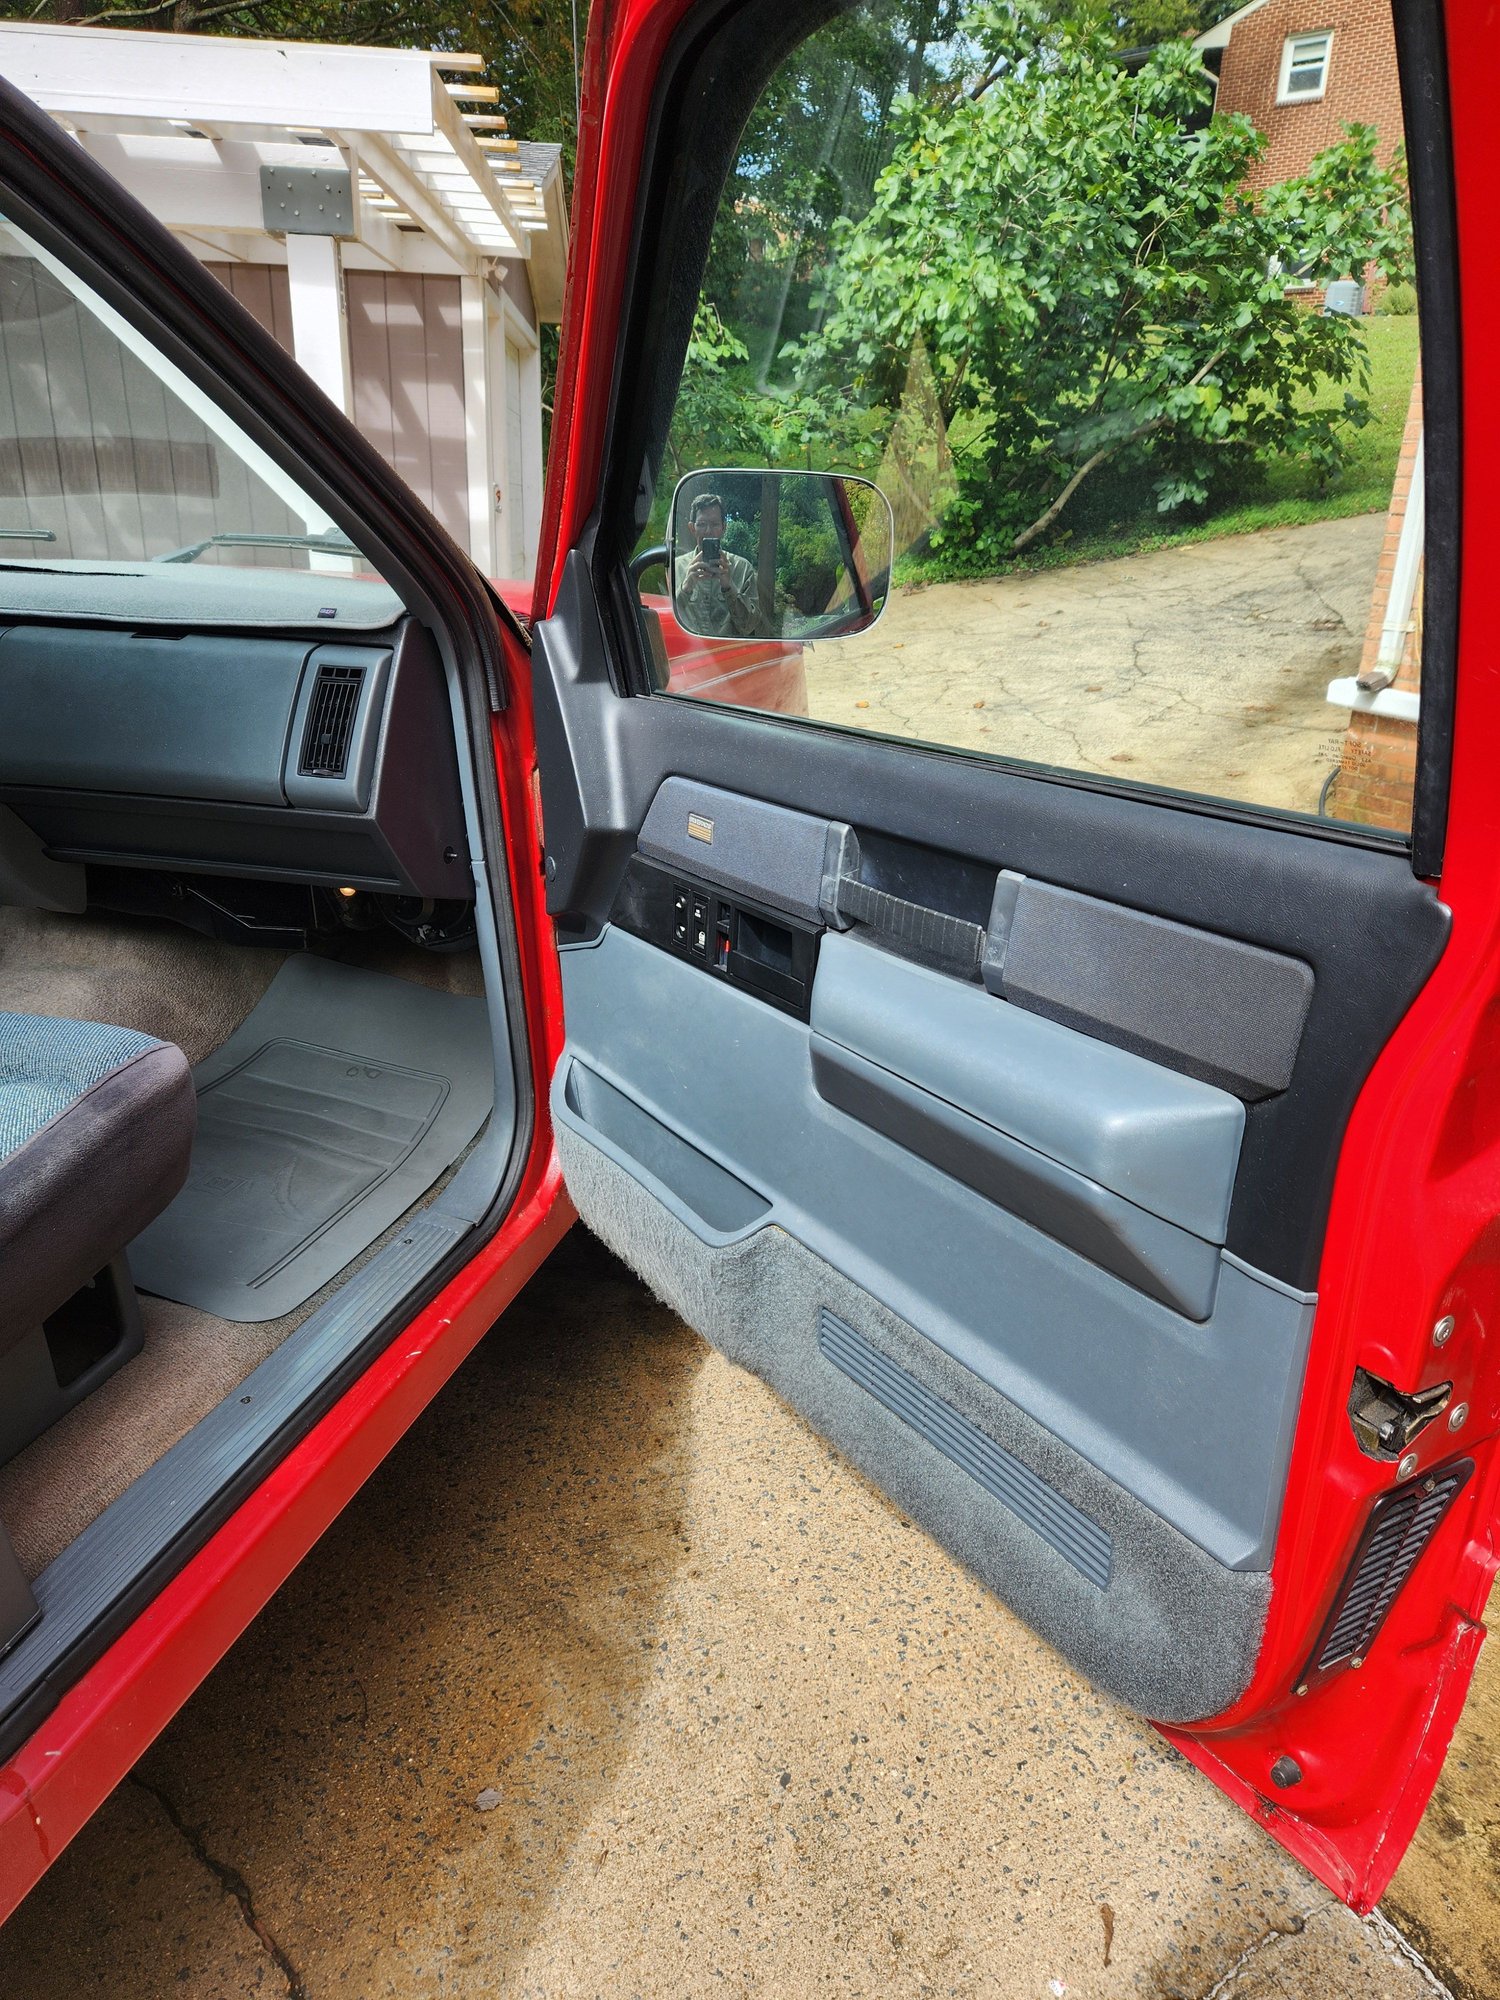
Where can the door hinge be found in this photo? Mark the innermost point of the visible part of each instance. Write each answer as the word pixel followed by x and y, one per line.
pixel 1387 1420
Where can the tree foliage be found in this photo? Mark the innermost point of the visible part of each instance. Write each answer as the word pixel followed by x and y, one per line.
pixel 1090 282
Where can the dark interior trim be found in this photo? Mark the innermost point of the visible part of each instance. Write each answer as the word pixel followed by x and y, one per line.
pixel 1423 56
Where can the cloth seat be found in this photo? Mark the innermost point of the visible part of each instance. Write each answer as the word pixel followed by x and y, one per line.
pixel 96 1129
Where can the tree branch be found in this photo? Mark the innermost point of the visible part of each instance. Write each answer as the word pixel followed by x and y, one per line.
pixel 1044 520
pixel 226 7
pixel 122 14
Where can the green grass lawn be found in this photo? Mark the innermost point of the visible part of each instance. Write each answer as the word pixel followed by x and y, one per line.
pixel 1103 524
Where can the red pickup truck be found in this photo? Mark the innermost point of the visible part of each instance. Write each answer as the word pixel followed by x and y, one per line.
pixel 1110 1173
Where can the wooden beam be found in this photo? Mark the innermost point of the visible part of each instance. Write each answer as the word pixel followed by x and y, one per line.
pixel 474 93
pixel 84 73
pixel 476 164
pixel 384 163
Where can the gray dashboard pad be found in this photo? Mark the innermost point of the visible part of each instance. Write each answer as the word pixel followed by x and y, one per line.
pixel 201 595
pixel 330 1110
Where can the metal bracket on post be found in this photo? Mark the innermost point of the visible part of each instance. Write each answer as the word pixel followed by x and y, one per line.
pixel 307 201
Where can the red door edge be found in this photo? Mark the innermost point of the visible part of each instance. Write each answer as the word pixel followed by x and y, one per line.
pixel 110 1716
pixel 1411 1234
pixel 1414 1236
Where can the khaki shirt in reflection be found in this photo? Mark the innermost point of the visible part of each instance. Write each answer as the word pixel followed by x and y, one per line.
pixel 704 607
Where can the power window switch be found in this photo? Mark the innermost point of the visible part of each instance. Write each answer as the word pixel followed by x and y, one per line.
pixel 680 917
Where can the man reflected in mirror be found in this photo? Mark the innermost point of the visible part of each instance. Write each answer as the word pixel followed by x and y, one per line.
pixel 715 591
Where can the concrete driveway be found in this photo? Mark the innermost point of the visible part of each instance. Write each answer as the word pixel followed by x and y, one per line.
pixel 1203 667
pixel 616 1681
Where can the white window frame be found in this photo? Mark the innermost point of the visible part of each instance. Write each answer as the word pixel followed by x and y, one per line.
pixel 1284 92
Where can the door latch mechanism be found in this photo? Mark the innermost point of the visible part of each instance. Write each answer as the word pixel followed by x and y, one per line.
pixel 1387 1420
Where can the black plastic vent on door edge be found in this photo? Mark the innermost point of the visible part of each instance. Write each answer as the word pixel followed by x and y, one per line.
pixel 1400 1526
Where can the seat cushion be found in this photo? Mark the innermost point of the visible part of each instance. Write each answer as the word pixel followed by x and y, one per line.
pixel 96 1129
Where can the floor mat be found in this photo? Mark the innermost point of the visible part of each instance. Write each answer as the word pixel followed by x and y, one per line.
pixel 332 1108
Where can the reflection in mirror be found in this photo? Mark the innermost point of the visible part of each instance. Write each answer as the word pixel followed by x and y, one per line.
pixel 778 555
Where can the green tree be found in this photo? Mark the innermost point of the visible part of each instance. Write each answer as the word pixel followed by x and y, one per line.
pixel 1090 283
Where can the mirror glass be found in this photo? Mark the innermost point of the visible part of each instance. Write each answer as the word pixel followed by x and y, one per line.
pixel 756 554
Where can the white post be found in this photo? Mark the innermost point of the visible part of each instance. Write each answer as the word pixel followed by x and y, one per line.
pixel 531 446
pixel 478 430
pixel 320 328
pixel 1395 629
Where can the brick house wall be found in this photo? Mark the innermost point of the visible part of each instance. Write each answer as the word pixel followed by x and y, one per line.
pixel 1362 86
pixel 1378 766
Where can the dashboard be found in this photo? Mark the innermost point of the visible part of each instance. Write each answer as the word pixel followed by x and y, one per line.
pixel 318 752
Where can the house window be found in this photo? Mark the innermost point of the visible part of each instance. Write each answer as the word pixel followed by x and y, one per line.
pixel 1304 68
pixel 1294 268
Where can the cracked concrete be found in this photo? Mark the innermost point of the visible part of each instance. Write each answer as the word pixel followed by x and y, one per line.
pixel 1203 667
pixel 229 1880
pixel 616 1681
pixel 1444 1895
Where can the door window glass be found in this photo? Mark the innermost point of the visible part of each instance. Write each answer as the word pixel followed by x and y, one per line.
pixel 1133 354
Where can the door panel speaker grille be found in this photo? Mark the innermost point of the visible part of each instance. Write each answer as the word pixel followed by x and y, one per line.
pixel 1071 1534
pixel 1401 1525
pixel 330 722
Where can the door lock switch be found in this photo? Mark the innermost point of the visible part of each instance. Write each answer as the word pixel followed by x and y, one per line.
pixel 698 928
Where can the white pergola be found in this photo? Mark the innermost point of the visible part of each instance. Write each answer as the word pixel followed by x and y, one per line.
pixel 218 137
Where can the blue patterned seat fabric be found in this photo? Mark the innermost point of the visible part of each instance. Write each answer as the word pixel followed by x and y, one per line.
pixel 45 1065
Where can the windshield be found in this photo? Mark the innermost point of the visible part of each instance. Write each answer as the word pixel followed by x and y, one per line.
pixel 110 457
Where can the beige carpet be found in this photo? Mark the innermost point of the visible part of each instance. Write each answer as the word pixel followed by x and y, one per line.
pixel 194 992
pixel 149 976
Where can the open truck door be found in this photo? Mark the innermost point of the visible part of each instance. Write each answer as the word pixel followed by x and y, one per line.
pixel 1108 1168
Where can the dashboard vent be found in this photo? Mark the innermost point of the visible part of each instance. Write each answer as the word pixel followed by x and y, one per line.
pixel 330 722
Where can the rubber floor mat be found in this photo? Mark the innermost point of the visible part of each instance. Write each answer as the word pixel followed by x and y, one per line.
pixel 329 1111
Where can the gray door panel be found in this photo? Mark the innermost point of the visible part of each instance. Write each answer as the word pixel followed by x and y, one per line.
pixel 1192 1419
pixel 1166 1142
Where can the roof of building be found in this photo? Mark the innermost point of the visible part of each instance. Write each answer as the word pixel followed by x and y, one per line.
pixel 1217 37
pixel 189 123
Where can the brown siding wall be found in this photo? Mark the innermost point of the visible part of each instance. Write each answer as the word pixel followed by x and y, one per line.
pixel 263 291
pixel 514 284
pixel 1363 85
pixel 407 368
pixel 407 363
pixel 95 449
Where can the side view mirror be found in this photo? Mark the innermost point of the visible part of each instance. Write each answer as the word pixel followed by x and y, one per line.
pixel 758 554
